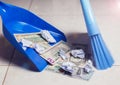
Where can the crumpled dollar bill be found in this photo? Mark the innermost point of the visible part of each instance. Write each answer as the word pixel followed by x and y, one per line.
pixel 72 66
pixel 47 36
pixel 32 40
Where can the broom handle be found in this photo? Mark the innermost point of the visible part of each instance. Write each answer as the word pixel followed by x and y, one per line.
pixel 91 24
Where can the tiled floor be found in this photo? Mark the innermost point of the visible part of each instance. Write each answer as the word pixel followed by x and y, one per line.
pixel 66 15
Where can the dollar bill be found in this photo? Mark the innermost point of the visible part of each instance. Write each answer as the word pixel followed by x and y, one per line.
pixel 77 61
pixel 51 55
pixel 84 75
pixel 34 38
pixel 56 67
pixel 80 74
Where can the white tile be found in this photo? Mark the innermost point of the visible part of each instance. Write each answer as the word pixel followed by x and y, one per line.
pixel 105 7
pixel 67 7
pixel 66 23
pixel 41 7
pixel 6 51
pixel 69 24
pixel 106 77
pixel 24 77
pixel 3 70
pixel 73 7
pixel 22 3
pixel 56 7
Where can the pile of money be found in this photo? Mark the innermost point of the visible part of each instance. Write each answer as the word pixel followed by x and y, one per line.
pixel 67 63
pixel 62 57
pixel 31 40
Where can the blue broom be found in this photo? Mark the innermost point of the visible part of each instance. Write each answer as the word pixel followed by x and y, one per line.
pixel 102 56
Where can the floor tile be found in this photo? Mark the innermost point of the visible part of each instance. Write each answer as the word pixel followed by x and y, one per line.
pixel 73 7
pixel 6 51
pixel 22 3
pixel 24 77
pixel 3 70
pixel 67 24
pixel 56 7
pixel 105 7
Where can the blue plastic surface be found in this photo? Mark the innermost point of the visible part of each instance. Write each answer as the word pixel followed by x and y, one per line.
pixel 102 56
pixel 92 26
pixel 18 20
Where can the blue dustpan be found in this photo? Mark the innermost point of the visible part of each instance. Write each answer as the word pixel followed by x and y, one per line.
pixel 18 20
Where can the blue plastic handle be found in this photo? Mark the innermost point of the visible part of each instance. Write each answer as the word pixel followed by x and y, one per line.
pixel 91 24
pixel 2 8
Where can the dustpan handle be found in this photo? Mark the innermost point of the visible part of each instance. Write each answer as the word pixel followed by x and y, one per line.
pixel 91 24
pixel 3 8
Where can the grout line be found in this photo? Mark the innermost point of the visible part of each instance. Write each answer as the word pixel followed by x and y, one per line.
pixel 30 5
pixel 5 75
pixel 12 56
pixel 8 66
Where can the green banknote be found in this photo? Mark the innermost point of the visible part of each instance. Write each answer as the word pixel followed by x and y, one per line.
pixel 34 38
pixel 51 55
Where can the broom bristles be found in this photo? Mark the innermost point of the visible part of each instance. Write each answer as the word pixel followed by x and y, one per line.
pixel 102 56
